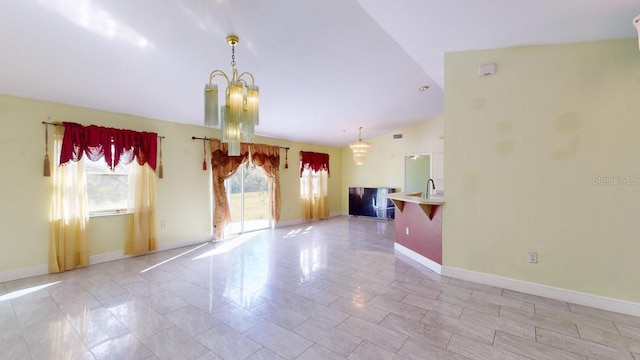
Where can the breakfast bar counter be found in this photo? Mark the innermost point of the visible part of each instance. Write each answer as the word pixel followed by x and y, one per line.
pixel 418 228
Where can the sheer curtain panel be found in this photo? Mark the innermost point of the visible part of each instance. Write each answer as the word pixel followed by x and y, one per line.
pixel 142 203
pixel 68 247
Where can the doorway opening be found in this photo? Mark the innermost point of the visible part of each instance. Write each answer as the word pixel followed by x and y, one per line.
pixel 248 196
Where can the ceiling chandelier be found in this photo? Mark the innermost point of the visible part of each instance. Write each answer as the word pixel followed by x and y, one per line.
pixel 360 148
pixel 240 112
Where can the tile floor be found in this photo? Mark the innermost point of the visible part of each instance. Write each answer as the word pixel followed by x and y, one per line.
pixel 330 289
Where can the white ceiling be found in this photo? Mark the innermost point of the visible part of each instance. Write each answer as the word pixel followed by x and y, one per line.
pixel 323 67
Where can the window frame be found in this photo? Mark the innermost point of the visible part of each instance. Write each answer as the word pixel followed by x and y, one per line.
pixel 91 169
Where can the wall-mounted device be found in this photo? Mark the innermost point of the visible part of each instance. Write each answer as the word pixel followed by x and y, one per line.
pixel 485 70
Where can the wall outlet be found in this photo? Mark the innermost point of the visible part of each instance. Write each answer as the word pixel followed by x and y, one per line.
pixel 163 224
pixel 406 230
pixel 533 257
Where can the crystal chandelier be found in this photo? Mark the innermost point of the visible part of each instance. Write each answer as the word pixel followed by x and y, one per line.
pixel 240 112
pixel 360 148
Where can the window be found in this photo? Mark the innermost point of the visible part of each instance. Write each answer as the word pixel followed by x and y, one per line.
pixel 314 176
pixel 108 191
pixel 310 183
pixel 314 173
pixel 88 186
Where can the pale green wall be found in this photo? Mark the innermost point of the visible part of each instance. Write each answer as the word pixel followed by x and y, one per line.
pixel 384 166
pixel 183 196
pixel 523 149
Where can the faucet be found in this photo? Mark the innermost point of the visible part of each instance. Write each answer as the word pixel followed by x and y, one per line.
pixel 433 186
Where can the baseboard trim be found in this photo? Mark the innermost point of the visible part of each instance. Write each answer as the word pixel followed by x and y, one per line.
pixel 289 223
pixel 183 243
pixel 571 296
pixel 38 270
pixel 422 260
pixel 22 273
pixel 300 221
pixel 106 257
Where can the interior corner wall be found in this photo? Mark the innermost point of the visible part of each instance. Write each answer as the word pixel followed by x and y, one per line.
pixel 543 157
pixel 183 195
pixel 384 166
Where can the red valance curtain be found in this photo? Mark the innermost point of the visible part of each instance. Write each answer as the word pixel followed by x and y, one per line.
pixel 313 161
pixel 115 145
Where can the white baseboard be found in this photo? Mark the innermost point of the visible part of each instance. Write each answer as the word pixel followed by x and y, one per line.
pixel 22 273
pixel 182 243
pixel 300 221
pixel 37 270
pixel 106 257
pixel 289 223
pixel 422 260
pixel 575 297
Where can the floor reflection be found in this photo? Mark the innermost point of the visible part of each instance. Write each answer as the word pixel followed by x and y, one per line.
pixel 258 295
pixel 27 291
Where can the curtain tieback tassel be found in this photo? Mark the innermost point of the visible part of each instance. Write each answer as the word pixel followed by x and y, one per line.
pixel 160 170
pixel 204 152
pixel 47 165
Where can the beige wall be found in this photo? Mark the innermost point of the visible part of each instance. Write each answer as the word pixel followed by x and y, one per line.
pixel 543 156
pixel 384 166
pixel 183 196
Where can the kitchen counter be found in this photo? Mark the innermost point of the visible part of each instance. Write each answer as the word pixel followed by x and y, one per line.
pixel 429 206
pixel 415 198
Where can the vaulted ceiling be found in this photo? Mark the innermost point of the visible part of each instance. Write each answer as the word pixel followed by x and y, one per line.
pixel 324 67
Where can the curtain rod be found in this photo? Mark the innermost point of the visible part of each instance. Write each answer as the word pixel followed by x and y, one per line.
pixel 57 124
pixel 206 138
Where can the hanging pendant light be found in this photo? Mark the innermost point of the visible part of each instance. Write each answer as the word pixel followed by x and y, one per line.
pixel 239 114
pixel 360 148
pixel 636 23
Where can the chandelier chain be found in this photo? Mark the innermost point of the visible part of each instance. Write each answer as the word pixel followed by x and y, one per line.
pixel 233 55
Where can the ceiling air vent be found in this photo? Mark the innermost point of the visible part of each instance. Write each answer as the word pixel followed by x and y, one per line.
pixel 397 136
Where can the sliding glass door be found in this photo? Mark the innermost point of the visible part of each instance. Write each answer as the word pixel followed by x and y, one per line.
pixel 248 194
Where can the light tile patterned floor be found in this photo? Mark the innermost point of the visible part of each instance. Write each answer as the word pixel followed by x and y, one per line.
pixel 330 289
